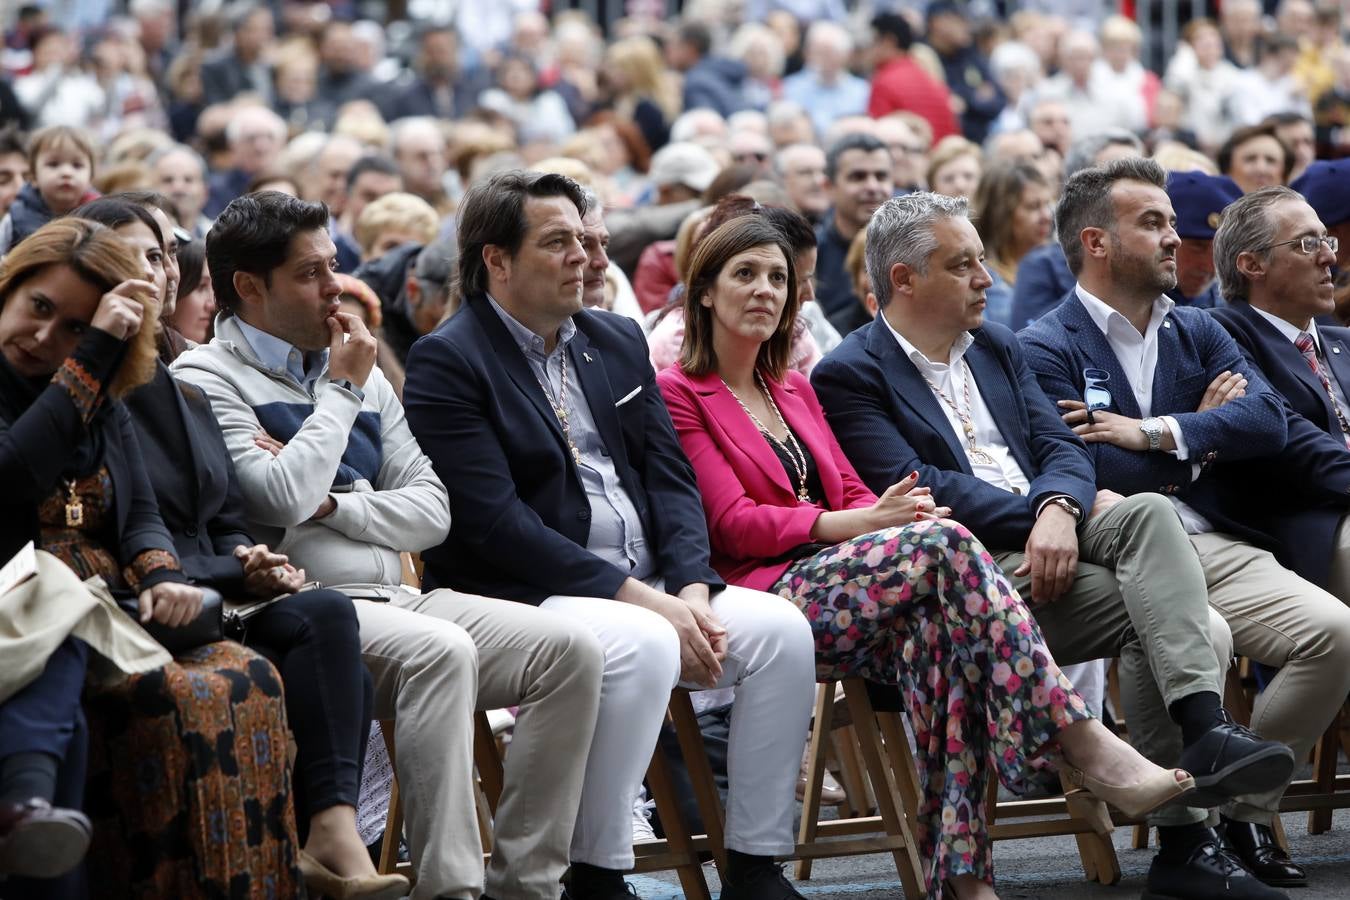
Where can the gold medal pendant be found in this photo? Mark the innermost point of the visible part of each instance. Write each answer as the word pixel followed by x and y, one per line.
pixel 74 506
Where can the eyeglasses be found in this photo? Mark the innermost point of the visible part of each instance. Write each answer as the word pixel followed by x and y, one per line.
pixel 1095 395
pixel 1307 244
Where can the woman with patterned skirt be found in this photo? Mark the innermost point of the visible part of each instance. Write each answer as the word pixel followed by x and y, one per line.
pixel 895 592
pixel 189 782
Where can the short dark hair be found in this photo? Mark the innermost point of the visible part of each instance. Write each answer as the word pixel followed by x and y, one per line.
pixel 713 252
pixel 696 35
pixel 867 143
pixel 370 163
pixel 1086 201
pixel 115 211
pixel 493 213
pixel 896 27
pixel 1242 135
pixel 253 234
pixel 13 140
pixel 191 264
pixel 155 200
pixel 795 227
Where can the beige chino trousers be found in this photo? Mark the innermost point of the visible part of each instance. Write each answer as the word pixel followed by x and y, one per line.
pixel 436 657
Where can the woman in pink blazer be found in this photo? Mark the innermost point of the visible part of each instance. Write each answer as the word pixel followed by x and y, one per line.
pixel 895 592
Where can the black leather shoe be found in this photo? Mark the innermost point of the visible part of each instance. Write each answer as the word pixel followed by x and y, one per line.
pixel 761 883
pixel 1209 874
pixel 1255 846
pixel 38 840
pixel 1231 760
pixel 621 891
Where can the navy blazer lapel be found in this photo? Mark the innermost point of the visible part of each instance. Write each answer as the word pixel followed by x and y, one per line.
pixel 1338 360
pixel 594 380
pixel 513 361
pixel 1168 366
pixel 1292 359
pixel 1003 403
pixel 1097 353
pixel 904 379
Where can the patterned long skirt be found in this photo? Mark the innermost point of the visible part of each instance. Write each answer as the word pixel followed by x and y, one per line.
pixel 925 607
pixel 189 784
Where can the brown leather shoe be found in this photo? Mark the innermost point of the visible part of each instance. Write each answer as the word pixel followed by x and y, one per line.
pixel 38 840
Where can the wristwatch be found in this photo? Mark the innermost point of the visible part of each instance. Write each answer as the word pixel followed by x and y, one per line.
pixel 1152 428
pixel 1069 505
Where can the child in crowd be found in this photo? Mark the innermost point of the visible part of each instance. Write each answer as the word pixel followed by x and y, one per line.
pixel 61 160
pixel 392 220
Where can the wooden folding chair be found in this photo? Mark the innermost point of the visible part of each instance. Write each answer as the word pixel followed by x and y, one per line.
pixel 881 741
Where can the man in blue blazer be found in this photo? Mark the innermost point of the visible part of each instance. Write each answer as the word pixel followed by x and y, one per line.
pixel 1174 397
pixel 1275 262
pixel 571 492
pixel 927 386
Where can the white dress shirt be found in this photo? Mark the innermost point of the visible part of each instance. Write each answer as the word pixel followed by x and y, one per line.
pixel 1003 472
pixel 1138 357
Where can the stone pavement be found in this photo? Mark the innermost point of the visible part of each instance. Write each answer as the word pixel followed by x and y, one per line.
pixel 1048 869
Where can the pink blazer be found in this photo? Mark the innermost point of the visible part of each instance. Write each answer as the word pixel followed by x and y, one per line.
pixel 751 503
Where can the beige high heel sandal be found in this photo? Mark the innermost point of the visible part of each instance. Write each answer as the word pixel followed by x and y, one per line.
pixel 1136 800
pixel 322 881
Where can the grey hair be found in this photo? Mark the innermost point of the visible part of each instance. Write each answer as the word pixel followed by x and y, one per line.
pixel 901 231
pixel 1246 225
pixel 1083 153
pixel 171 149
pixel 1086 201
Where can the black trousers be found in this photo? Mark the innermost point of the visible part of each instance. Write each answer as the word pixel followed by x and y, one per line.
pixel 313 639
pixel 45 717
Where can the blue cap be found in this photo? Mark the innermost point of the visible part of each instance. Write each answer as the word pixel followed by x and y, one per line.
pixel 1199 200
pixel 1325 184
pixel 944 8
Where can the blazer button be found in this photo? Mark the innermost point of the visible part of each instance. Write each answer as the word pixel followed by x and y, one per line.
pixel 584 515
pixel 190 531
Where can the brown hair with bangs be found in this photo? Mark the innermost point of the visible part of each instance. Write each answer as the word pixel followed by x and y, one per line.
pixel 96 254
pixel 712 254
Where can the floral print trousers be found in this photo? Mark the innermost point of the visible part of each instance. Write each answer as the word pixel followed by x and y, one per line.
pixel 925 607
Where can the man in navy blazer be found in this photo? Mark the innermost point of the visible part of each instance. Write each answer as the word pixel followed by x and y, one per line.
pixel 571 491
pixel 926 386
pixel 1276 288
pixel 1174 397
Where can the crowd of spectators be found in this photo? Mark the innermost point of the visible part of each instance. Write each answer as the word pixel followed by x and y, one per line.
pixel 235 240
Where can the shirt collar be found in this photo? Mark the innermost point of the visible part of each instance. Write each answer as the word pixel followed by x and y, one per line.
pixel 1103 315
pixel 527 340
pixel 276 354
pixel 959 348
pixel 1289 331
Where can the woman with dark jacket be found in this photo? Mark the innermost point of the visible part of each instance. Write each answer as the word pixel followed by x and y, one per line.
pixel 310 635
pixel 72 307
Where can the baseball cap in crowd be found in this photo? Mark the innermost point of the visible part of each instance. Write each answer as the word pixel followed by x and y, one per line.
pixel 943 8
pixel 1199 200
pixel 1325 184
pixel 683 163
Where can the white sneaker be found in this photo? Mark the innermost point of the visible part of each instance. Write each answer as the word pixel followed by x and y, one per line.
pixel 642 826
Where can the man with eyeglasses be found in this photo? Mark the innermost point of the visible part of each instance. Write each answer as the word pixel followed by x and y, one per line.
pixel 928 386
pixel 1185 407
pixel 1275 260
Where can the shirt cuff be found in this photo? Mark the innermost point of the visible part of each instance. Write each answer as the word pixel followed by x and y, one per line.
pixel 1182 452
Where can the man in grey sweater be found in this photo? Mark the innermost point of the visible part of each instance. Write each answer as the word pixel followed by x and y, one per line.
pixel 332 476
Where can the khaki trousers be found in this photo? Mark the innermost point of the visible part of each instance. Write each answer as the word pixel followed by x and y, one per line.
pixel 1139 595
pixel 436 657
pixel 1338 583
pixel 1279 619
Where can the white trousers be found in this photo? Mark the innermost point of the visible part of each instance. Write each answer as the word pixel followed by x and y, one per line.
pixel 770 665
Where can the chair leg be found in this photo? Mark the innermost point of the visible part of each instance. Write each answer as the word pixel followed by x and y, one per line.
pixel 1139 840
pixel 815 775
pixel 869 742
pixel 1324 773
pixel 393 823
pixel 695 756
pixel 857 803
pixel 692 882
pixel 488 760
